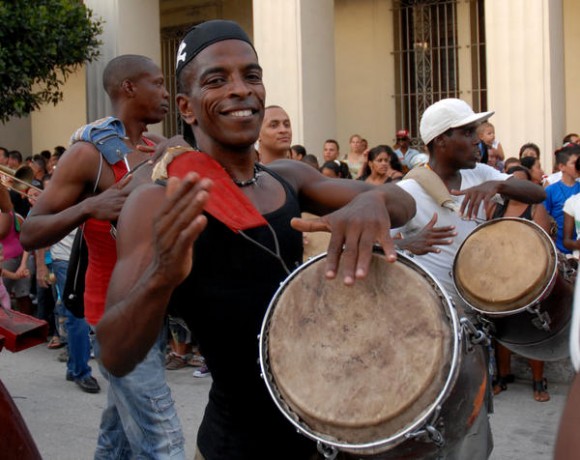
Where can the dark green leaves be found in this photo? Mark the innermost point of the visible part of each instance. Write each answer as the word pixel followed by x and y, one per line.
pixel 41 43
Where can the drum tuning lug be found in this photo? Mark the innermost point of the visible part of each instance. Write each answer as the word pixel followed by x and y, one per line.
pixel 428 432
pixel 542 320
pixel 435 435
pixel 328 452
pixel 476 336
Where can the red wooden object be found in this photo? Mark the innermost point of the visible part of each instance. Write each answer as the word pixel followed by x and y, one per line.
pixel 21 331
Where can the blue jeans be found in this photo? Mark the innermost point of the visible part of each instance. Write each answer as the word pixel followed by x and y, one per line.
pixel 140 420
pixel 79 348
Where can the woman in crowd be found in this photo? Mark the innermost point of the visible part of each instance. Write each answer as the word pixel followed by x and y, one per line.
pixel 382 166
pixel 355 157
pixel 535 169
pixel 538 214
pixel 335 169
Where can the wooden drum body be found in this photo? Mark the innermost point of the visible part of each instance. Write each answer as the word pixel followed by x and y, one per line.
pixel 508 271
pixel 368 369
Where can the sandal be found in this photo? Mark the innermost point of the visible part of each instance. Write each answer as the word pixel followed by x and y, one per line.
pixel 541 390
pixel 174 362
pixel 500 385
pixel 196 360
pixel 55 343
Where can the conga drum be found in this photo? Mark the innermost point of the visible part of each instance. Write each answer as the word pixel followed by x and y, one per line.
pixel 507 270
pixel 380 369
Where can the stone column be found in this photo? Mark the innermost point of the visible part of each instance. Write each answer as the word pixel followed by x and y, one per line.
pixel 525 69
pixel 130 27
pixel 295 43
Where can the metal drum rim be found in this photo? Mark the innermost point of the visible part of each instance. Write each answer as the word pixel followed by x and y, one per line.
pixel 541 296
pixel 401 436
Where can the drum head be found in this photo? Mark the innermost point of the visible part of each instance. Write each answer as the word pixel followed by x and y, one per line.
pixel 359 363
pixel 504 265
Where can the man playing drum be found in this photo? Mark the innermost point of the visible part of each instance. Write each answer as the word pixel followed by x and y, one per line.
pixel 452 190
pixel 177 242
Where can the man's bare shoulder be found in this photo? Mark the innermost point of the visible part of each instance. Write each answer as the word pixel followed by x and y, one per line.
pixel 144 200
pixel 80 160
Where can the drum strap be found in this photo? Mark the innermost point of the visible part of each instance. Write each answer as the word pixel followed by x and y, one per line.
pixel 227 203
pixel 434 186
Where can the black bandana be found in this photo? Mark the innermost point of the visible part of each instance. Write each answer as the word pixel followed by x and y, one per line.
pixel 205 34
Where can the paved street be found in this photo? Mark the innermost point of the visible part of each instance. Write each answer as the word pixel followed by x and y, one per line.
pixel 63 420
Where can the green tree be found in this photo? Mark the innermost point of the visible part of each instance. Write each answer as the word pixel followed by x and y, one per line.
pixel 41 43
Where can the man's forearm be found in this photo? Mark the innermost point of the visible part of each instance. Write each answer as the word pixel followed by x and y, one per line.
pixel 132 322
pixel 43 230
pixel 400 204
pixel 522 190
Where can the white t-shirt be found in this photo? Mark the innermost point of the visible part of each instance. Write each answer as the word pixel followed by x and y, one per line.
pixel 440 265
pixel 62 249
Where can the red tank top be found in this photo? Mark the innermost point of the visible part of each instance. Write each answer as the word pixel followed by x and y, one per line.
pixel 102 258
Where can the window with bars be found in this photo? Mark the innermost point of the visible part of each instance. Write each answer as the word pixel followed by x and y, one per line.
pixel 170 39
pixel 426 57
pixel 478 62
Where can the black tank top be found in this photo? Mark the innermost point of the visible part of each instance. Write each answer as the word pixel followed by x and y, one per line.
pixel 224 301
pixel 500 210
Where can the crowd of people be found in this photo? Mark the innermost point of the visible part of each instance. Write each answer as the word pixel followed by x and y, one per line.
pixel 188 290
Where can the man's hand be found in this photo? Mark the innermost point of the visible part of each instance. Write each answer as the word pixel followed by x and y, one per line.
pixel 158 150
pixel 42 275
pixel 108 204
pixel 428 238
pixel 179 223
pixel 355 228
pixel 474 196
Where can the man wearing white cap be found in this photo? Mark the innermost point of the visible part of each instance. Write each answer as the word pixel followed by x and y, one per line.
pixel 448 129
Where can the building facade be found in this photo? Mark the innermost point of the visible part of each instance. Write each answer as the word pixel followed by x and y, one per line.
pixel 369 67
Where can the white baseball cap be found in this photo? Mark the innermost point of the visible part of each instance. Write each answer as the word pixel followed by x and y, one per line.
pixel 447 114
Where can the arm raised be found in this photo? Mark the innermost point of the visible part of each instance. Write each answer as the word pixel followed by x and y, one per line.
pixel 156 232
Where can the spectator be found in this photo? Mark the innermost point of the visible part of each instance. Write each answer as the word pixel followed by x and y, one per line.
pixel 331 152
pixel 557 193
pixel 335 169
pixel 311 160
pixel 408 156
pixel 536 213
pixel 298 152
pixel 355 157
pixel 14 159
pixel 490 149
pixel 382 166
pixel 275 135
pixel 529 150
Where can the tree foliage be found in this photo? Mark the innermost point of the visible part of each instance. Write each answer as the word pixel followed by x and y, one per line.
pixel 41 43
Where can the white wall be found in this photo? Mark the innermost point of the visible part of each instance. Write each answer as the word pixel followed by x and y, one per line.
pixel 525 79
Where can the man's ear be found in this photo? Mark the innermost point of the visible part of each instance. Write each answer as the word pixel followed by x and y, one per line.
pixel 440 140
pixel 185 109
pixel 128 88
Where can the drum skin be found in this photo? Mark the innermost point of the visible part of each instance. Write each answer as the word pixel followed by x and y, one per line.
pixel 505 270
pixel 359 365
